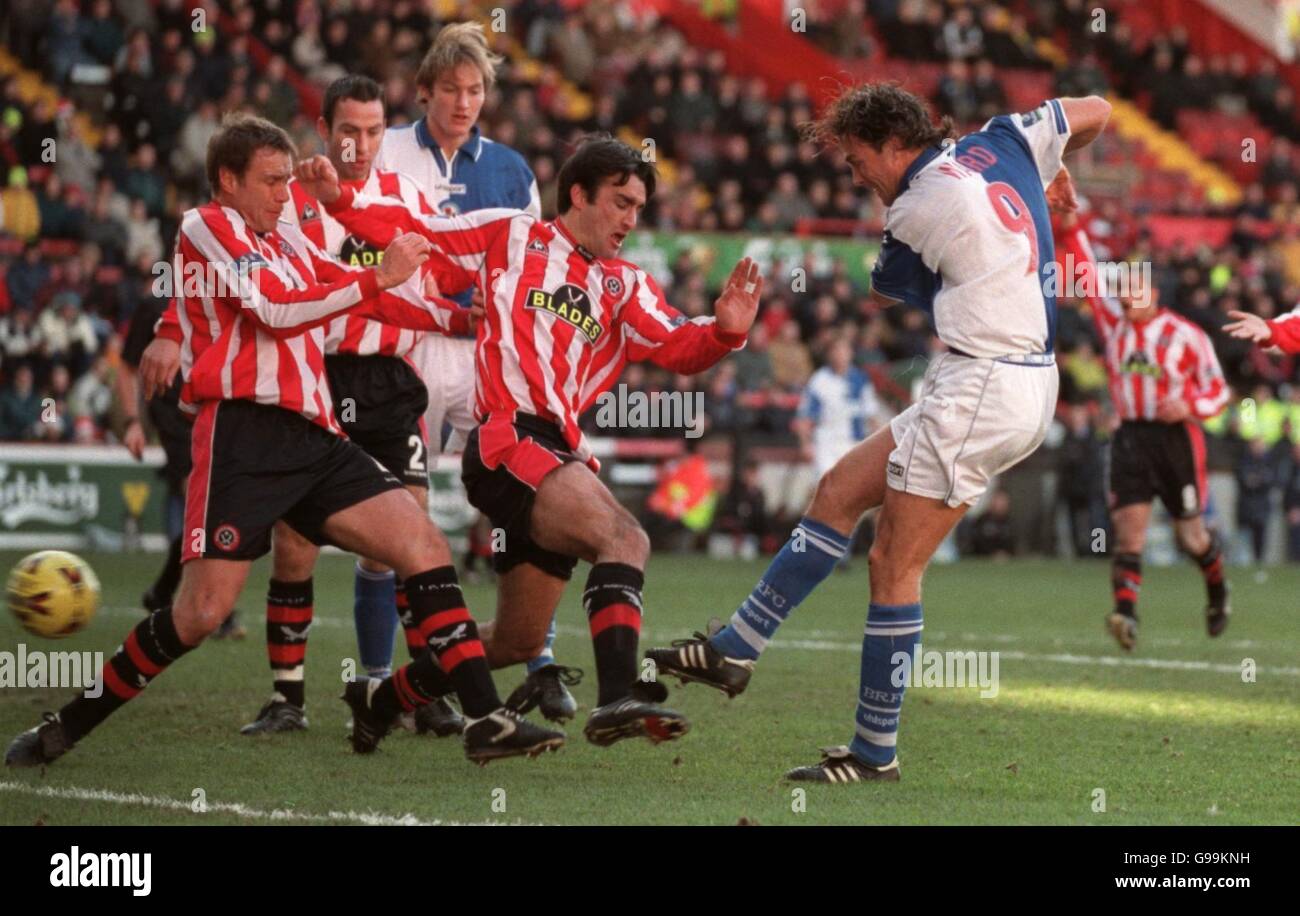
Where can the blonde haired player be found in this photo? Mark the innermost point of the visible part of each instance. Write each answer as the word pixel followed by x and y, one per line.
pixel 459 171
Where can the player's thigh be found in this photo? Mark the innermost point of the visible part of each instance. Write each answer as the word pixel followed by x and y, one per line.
pixel 527 598
pixel 391 529
pixel 293 557
pixel 576 515
pixel 206 596
pixel 855 484
pixel 1130 523
pixel 421 495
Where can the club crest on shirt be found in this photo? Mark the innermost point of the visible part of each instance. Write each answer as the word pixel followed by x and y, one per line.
pixel 613 286
pixel 286 249
pixel 569 303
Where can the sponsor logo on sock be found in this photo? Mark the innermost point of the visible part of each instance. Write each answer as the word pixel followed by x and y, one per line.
pixel 441 642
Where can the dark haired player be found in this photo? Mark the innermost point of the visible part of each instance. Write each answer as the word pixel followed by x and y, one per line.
pixel 1164 379
pixel 564 314
pixel 460 170
pixel 380 401
pixel 968 239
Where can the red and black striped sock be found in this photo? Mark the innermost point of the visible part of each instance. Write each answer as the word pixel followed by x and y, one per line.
pixel 288 618
pixel 1211 563
pixel 1126 580
pixel 415 644
pixel 455 658
pixel 613 602
pixel 146 651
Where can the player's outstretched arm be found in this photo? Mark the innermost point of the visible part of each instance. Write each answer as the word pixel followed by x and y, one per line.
pixel 279 308
pixel 1087 118
pixel 1282 332
pixel 662 335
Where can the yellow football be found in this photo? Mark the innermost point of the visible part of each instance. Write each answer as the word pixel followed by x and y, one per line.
pixel 53 593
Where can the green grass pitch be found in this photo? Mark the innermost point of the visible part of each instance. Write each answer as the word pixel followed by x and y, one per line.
pixel 1171 734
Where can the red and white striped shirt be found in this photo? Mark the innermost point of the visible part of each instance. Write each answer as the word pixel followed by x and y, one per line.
pixel 1147 362
pixel 1285 330
pixel 251 311
pixel 560 324
pixel 354 334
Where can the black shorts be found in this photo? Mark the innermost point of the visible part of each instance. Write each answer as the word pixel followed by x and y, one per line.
pixel 255 464
pixel 503 464
pixel 1149 459
pixel 380 403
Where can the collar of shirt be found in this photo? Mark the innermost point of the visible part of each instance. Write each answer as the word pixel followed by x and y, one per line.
pixel 925 158
pixel 472 147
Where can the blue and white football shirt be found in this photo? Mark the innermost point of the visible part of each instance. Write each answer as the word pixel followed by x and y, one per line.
pixel 969 237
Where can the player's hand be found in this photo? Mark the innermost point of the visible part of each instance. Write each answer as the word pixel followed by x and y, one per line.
pixel 1248 327
pixel 738 304
pixel 318 178
pixel 402 257
pixel 1172 410
pixel 134 440
pixel 159 364
pixel 1060 193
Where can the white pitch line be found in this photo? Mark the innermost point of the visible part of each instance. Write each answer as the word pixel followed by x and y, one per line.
pixel 368 818
pixel 830 645
pixel 826 645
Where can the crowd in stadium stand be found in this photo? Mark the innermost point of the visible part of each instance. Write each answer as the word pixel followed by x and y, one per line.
pixel 82 233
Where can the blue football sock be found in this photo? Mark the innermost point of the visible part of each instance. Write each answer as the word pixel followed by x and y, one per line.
pixel 806 559
pixel 546 656
pixel 891 629
pixel 374 610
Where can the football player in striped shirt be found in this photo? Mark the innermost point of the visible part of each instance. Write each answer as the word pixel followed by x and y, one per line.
pixel 253 297
pixel 380 400
pixel 564 315
pixel 1164 380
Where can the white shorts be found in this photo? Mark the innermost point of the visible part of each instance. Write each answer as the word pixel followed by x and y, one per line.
pixel 975 419
pixel 447 366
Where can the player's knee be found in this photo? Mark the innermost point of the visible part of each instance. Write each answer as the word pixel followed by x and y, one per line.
pixel 424 548
pixel 831 501
pixel 888 570
pixel 292 560
pixel 198 618
pixel 632 542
